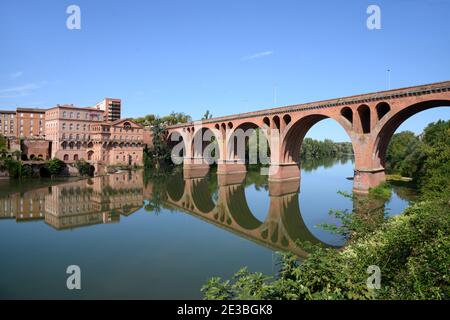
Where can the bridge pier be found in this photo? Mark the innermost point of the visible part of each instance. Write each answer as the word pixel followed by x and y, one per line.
pixel 195 167
pixel 284 172
pixel 364 179
pixel 281 188
pixel 231 167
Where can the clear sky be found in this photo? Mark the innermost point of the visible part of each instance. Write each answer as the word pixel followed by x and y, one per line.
pixel 228 56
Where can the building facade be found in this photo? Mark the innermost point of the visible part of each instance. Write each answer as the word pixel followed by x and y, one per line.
pixel 82 133
pixel 8 123
pixel 68 129
pixel 117 143
pixel 30 123
pixel 111 108
pixel 69 133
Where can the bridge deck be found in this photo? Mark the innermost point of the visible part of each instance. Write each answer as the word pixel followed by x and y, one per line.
pixel 360 98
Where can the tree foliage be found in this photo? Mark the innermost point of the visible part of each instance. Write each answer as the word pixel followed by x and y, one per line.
pixel 171 119
pixel 315 149
pixel 55 166
pixel 84 168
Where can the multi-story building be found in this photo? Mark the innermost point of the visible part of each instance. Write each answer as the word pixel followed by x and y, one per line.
pixel 111 108
pixel 7 123
pixel 70 133
pixel 30 123
pixel 82 133
pixel 68 129
pixel 117 143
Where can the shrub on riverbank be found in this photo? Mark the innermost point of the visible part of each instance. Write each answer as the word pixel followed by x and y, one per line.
pixel 411 250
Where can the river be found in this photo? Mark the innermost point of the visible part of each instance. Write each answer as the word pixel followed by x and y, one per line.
pixel 141 236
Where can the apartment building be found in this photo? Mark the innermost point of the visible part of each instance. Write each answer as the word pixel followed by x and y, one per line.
pixel 111 108
pixel 30 123
pixel 7 123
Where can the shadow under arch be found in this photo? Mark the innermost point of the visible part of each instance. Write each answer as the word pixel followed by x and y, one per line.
pixel 390 125
pixel 297 131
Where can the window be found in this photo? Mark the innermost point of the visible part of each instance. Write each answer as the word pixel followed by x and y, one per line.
pixel 78 115
pixel 71 115
pixel 78 126
pixel 71 127
pixel 31 115
pixel 64 114
pixel 64 126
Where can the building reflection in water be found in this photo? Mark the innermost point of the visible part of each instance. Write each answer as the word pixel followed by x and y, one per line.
pixel 77 204
pixel 219 201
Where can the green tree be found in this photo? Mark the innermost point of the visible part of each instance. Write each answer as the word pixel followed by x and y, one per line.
pixel 405 154
pixel 3 143
pixel 207 115
pixel 55 166
pixel 84 168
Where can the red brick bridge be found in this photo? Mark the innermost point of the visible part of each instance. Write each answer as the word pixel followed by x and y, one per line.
pixel 370 120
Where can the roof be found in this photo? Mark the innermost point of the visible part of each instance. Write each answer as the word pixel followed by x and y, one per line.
pixel 72 107
pixel 116 122
pixel 7 111
pixel 23 109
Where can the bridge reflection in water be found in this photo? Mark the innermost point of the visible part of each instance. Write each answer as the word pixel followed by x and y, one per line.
pixel 219 200
pixel 282 229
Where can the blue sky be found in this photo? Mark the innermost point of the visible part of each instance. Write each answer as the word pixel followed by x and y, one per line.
pixel 225 56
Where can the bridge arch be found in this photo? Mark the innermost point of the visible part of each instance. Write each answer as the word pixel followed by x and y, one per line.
pixel 389 124
pixel 240 136
pixel 206 142
pixel 177 142
pixel 295 134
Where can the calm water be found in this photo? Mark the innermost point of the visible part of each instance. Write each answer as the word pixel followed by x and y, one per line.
pixel 160 238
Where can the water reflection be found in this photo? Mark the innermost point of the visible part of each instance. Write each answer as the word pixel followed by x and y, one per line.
pixel 220 200
pixel 77 204
pixel 226 206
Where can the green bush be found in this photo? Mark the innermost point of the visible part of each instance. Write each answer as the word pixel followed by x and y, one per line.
pixel 55 166
pixel 84 168
pixel 412 251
